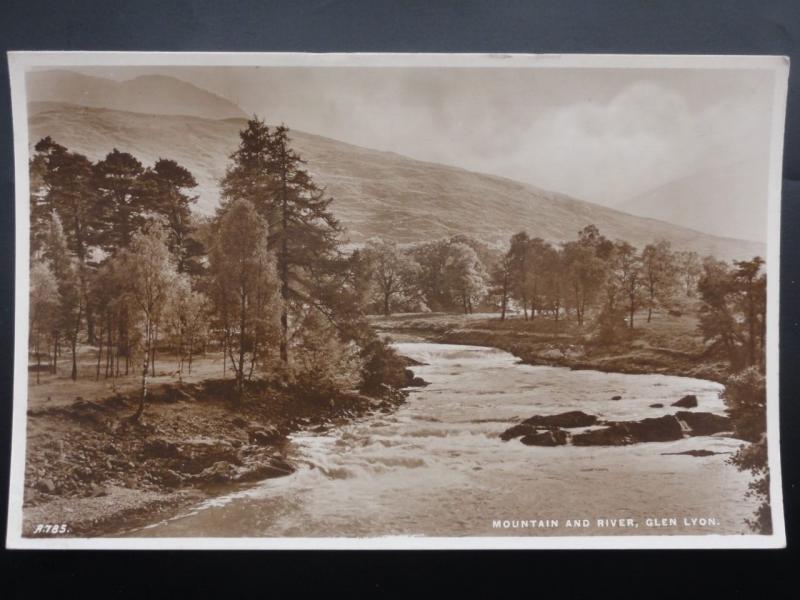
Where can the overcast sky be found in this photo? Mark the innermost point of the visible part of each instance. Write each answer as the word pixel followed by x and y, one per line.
pixel 605 136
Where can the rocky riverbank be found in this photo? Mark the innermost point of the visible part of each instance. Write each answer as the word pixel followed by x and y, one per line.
pixel 92 471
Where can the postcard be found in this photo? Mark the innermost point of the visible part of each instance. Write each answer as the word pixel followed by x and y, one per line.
pixel 396 301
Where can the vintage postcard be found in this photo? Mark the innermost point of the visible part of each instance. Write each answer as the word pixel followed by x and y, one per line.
pixel 396 301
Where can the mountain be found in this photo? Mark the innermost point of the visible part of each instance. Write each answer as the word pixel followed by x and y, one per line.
pixel 703 197
pixel 148 94
pixel 376 193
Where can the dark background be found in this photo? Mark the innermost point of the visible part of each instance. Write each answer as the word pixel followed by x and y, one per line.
pixel 610 26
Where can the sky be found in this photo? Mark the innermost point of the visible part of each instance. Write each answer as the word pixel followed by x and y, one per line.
pixel 606 136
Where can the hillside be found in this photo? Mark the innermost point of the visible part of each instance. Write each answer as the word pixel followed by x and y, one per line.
pixel 376 193
pixel 149 94
pixel 702 197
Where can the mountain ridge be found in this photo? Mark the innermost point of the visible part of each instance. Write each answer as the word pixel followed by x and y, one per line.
pixel 377 193
pixel 145 94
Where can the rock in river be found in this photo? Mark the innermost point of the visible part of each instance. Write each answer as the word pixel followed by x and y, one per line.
pixel 518 430
pixel 264 436
pixel 703 423
pixel 660 429
pixel 573 418
pixel 689 401
pixel 547 437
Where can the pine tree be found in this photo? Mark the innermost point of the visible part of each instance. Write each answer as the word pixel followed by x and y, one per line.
pixel 118 181
pixel 166 196
pixel 303 233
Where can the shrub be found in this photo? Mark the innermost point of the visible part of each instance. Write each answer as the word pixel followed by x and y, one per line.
pixel 321 364
pixel 746 397
pixel 381 366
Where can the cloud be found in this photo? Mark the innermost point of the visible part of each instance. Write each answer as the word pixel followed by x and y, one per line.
pixel 645 136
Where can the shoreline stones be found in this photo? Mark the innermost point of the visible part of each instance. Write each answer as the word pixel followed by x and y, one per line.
pixel 413 381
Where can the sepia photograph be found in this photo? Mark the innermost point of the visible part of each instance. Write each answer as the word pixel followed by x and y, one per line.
pixel 396 301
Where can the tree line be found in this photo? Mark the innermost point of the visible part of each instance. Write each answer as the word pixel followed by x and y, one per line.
pixel 120 263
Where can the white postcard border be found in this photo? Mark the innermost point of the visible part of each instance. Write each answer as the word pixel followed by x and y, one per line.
pixel 20 62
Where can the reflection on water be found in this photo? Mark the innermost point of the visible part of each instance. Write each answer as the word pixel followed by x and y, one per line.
pixel 436 466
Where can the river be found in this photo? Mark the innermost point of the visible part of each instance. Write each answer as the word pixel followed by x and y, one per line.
pixel 436 466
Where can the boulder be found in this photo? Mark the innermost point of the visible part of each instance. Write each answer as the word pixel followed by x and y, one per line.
pixel 276 467
pixel 616 435
pixel 219 472
pixel 45 485
pixel 660 429
pixel 412 381
pixel 518 430
pixel 161 448
pixel 574 418
pixel 264 436
pixel 703 423
pixel 98 490
pixel 689 401
pixel 616 397
pixel 547 437
pixel 657 405
pixel 170 478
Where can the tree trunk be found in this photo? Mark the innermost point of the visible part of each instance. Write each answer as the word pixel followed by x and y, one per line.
pixel 242 333
pixel 224 352
pixel 145 369
pixel 525 306
pixel 153 352
pixel 55 354
pixel 99 355
pixel 38 358
pixel 386 304
pixel 284 346
pixel 74 344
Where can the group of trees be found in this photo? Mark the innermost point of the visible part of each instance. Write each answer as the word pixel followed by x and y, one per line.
pixel 612 279
pixel 87 222
pixel 441 275
pixel 532 276
pixel 120 264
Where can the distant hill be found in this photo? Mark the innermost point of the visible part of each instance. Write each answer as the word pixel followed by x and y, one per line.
pixel 376 193
pixel 149 94
pixel 706 196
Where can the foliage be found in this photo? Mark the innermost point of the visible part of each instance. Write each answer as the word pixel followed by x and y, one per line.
pixel 244 286
pixel 323 365
pixel 303 233
pixel 733 311
pixel 150 274
pixel 393 272
pixel 381 365
pixel 746 398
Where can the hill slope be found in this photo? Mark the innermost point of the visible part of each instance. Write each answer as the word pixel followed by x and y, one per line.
pixel 702 197
pixel 376 193
pixel 149 94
